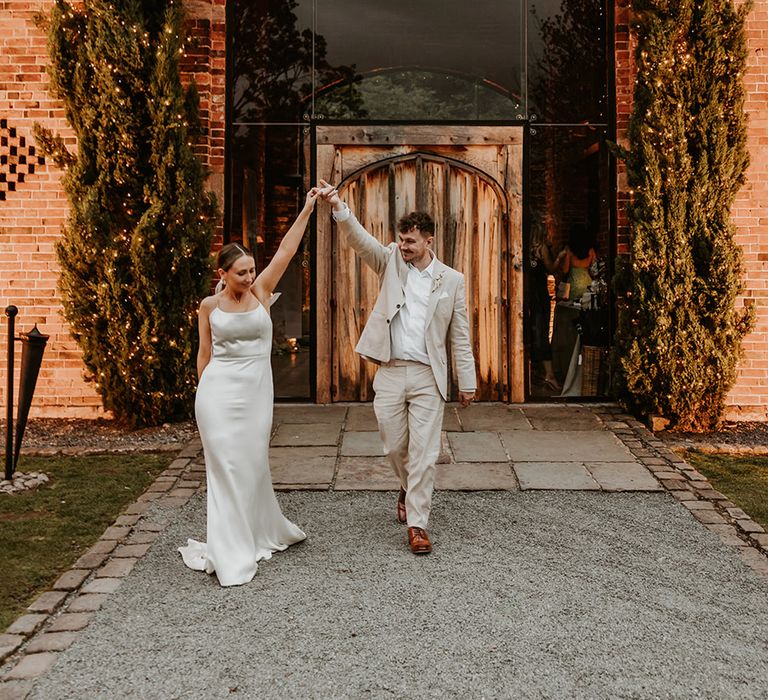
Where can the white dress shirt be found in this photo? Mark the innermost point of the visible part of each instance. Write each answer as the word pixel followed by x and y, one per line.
pixel 408 327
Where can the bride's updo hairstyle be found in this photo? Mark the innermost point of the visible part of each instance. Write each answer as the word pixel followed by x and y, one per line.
pixel 229 253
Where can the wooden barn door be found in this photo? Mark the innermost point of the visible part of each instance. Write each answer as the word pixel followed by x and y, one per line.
pixel 469 179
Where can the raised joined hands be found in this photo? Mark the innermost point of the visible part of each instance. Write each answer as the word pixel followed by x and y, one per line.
pixel 329 193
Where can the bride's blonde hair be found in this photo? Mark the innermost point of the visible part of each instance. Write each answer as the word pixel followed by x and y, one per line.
pixel 226 258
pixel 229 253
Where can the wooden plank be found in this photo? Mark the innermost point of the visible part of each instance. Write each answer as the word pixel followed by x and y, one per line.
pixel 393 135
pixel 514 188
pixel 326 157
pixel 344 328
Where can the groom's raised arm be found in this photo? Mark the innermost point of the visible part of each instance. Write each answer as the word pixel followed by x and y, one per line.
pixel 372 252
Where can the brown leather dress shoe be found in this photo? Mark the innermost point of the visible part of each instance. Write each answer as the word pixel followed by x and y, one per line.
pixel 417 538
pixel 401 516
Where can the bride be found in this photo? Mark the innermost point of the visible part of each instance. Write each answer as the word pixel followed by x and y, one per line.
pixel 233 408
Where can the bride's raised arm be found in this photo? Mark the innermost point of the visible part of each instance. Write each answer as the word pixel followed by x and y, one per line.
pixel 267 281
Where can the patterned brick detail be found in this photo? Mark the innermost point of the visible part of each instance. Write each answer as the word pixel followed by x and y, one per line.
pixel 17 159
pixel 31 216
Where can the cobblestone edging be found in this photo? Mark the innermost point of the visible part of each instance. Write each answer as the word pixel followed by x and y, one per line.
pixel 55 619
pixel 710 507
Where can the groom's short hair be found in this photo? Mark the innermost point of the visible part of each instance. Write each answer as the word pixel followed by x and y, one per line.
pixel 419 220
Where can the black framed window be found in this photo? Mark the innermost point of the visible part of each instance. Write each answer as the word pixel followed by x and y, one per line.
pixel 568 209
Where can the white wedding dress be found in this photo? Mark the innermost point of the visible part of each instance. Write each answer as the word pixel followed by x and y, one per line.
pixel 233 408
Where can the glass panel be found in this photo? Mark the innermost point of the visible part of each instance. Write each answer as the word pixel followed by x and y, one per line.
pixel 271 52
pixel 567 61
pixel 432 59
pixel 567 227
pixel 267 193
pixel 407 95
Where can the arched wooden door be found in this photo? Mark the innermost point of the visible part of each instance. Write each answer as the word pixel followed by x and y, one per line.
pixel 473 193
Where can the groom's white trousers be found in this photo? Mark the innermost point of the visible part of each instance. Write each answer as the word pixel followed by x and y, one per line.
pixel 409 410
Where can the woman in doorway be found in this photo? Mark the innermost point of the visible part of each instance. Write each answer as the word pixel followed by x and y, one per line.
pixel 575 260
pixel 233 408
pixel 573 263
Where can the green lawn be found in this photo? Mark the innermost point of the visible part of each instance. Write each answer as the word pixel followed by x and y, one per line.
pixel 43 532
pixel 744 479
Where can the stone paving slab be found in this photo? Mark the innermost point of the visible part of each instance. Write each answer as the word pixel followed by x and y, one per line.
pixel 493 417
pixel 15 690
pixel 623 476
pixel 551 417
pixel 71 622
pixel 47 602
pixel 142 538
pixel 102 585
pixel 306 434
pixel 281 456
pixel 477 447
pixel 362 444
pixel 312 467
pixel 87 602
pixel 365 474
pixel 52 641
pixel 475 476
pixel 451 417
pixel 564 446
pixel 564 476
pixel 70 580
pixel 33 666
pixel 27 624
pixel 305 414
pixel 361 418
pixel 727 534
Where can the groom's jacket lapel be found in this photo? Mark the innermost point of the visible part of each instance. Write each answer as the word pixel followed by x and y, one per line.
pixel 435 290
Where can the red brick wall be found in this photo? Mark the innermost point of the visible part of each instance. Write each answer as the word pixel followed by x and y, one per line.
pixel 32 214
pixel 749 397
pixel 624 52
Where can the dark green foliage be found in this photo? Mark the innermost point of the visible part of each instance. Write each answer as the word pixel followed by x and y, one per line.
pixel 679 334
pixel 135 251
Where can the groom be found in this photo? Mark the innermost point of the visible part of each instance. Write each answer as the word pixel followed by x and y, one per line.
pixel 421 308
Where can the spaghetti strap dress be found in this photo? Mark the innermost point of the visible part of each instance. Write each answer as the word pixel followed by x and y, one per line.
pixel 233 408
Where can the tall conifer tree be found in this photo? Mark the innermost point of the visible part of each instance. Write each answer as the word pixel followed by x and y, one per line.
pixel 135 251
pixel 679 334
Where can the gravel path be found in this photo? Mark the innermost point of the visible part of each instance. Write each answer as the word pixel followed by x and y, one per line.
pixel 529 595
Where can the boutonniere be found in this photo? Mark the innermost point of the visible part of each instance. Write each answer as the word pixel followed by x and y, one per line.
pixel 437 281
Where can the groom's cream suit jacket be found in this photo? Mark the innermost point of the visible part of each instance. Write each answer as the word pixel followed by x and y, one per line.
pixel 446 319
